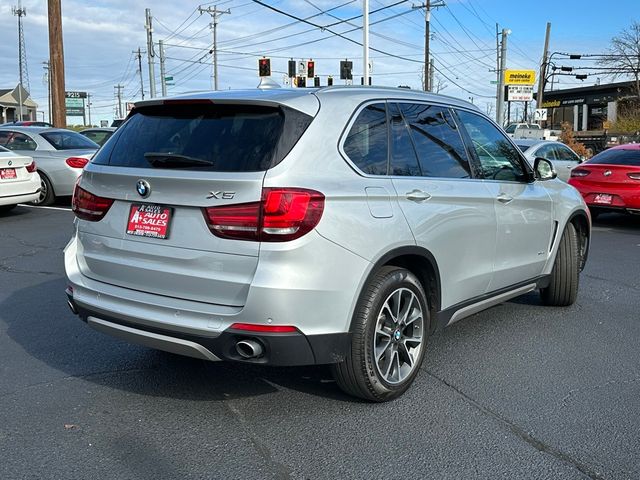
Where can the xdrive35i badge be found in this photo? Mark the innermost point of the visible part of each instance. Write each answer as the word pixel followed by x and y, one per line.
pixel 143 188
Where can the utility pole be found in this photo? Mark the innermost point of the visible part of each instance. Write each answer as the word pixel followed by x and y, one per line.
pixel 119 89
pixel 89 108
pixel 150 53
pixel 543 67
pixel 56 64
pixel 431 74
pixel 22 55
pixel 163 80
pixel 138 54
pixel 502 65
pixel 365 42
pixel 428 6
pixel 215 13
pixel 45 66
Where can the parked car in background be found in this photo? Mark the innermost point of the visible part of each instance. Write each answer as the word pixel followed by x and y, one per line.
pixel 610 181
pixel 30 123
pixel 340 226
pixel 60 155
pixel 98 134
pixel 19 180
pixel 531 131
pixel 561 157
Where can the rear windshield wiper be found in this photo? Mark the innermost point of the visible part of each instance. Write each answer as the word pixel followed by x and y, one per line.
pixel 167 159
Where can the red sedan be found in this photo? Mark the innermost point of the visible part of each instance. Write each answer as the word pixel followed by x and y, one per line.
pixel 610 181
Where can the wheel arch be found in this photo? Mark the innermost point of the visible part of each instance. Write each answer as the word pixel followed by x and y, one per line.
pixel 422 264
pixel 582 224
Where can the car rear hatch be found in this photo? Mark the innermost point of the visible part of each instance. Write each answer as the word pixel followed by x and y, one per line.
pixel 162 169
pixel 604 184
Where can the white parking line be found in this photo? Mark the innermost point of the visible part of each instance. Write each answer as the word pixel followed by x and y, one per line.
pixel 64 209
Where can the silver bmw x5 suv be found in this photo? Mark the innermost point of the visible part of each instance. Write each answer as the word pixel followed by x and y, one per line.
pixel 340 226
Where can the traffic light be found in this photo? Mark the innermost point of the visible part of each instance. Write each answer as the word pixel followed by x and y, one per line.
pixel 292 68
pixel 264 67
pixel 301 82
pixel 345 70
pixel 316 82
pixel 329 81
pixel 311 69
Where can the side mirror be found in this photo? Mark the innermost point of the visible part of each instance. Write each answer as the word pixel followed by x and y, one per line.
pixel 583 159
pixel 543 169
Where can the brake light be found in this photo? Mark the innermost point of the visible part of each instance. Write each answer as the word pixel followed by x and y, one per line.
pixel 76 162
pixel 251 327
pixel 87 206
pixel 283 214
pixel 634 175
pixel 580 172
pixel 31 167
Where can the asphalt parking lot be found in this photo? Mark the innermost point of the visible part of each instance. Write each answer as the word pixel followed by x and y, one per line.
pixel 518 391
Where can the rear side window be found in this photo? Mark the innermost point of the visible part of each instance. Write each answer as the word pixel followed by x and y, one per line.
pixel 367 143
pixel 19 141
pixel 617 157
pixel 438 144
pixel 206 137
pixel 68 140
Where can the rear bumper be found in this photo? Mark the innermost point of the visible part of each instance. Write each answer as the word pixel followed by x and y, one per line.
pixel 622 198
pixel 21 191
pixel 291 288
pixel 279 349
pixel 15 199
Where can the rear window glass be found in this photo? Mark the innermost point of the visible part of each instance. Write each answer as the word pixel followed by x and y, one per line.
pixel 222 138
pixel 523 148
pixel 617 157
pixel 68 140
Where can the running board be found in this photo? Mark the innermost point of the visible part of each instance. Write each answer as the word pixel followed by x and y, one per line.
pixel 490 302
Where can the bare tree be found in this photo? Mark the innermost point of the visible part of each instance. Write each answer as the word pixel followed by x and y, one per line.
pixel 624 55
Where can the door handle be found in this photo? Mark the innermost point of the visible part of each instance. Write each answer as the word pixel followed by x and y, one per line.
pixel 417 196
pixel 504 198
pixel 569 167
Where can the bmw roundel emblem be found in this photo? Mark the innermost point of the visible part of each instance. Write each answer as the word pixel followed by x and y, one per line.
pixel 10 163
pixel 143 188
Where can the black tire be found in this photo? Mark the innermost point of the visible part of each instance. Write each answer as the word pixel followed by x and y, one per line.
pixel 563 288
pixel 358 375
pixel 47 195
pixel 6 208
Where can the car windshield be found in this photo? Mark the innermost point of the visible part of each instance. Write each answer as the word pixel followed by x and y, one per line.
pixel 511 128
pixel 68 140
pixel 617 157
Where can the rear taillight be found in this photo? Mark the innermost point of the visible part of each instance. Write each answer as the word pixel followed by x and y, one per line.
pixel 580 172
pixel 634 175
pixel 283 214
pixel 76 162
pixel 31 167
pixel 88 206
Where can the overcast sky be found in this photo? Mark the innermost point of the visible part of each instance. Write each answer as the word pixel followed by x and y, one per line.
pixel 101 35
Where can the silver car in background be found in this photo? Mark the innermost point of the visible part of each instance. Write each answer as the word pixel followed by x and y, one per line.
pixel 59 153
pixel 561 157
pixel 339 226
pixel 19 179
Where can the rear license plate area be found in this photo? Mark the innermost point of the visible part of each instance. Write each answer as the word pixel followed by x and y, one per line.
pixel 147 220
pixel 603 198
pixel 8 173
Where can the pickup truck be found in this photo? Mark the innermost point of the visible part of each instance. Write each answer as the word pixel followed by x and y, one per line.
pixel 531 131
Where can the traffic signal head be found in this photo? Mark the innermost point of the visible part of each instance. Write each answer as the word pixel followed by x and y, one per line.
pixel 311 69
pixel 345 70
pixel 329 81
pixel 264 67
pixel 316 82
pixel 292 68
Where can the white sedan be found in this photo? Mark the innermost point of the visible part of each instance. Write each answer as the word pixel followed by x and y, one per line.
pixel 561 157
pixel 19 180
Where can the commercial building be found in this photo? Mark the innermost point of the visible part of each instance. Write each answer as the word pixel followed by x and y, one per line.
pixel 10 105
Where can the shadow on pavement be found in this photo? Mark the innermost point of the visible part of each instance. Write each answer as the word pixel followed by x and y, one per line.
pixel 618 221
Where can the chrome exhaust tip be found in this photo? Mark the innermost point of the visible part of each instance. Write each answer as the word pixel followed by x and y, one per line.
pixel 73 308
pixel 248 349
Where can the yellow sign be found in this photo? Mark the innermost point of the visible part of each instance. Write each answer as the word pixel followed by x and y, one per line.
pixel 519 77
pixel 550 104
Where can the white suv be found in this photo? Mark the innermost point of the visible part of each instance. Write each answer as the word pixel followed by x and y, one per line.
pixel 337 226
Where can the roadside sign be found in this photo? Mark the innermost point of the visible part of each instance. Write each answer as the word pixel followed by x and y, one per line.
pixel 540 115
pixel 104 123
pixel 519 77
pixel 75 94
pixel 74 106
pixel 168 79
pixel 520 93
pixel 493 82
